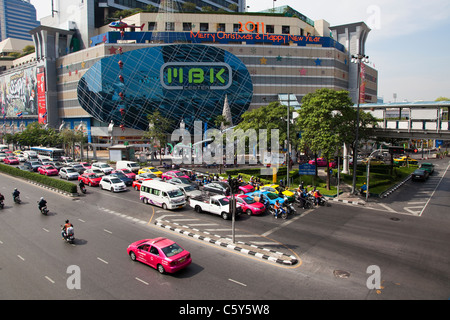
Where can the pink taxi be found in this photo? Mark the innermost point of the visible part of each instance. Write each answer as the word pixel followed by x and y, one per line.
pixel 249 205
pixel 160 253
pixel 173 174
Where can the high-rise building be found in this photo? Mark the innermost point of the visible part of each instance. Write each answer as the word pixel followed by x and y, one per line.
pixel 17 18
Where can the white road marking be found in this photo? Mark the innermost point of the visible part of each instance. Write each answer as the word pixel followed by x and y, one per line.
pixel 440 180
pixel 387 208
pixel 107 231
pixel 141 281
pixel 20 257
pixel 105 262
pixel 49 279
pixel 237 282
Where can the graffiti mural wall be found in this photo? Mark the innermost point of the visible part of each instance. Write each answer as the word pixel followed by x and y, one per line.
pixel 18 93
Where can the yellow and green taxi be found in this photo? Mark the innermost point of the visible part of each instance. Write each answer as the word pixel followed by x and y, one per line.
pixel 274 188
pixel 373 162
pixel 404 159
pixel 153 170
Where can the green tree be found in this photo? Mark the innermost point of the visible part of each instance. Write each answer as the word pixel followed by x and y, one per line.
pixel 327 120
pixel 272 116
pixel 158 130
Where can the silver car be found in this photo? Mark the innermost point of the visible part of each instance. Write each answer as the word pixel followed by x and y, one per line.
pixel 68 173
pixel 189 190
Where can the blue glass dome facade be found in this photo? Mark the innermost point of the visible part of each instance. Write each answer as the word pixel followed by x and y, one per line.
pixel 186 81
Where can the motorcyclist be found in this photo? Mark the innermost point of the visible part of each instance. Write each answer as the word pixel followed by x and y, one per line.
pixel 42 203
pixel 277 208
pixel 302 198
pixel 81 184
pixel 64 228
pixel 16 194
pixel 2 197
pixel 318 197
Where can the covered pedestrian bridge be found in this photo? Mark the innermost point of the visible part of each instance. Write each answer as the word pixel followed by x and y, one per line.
pixel 411 120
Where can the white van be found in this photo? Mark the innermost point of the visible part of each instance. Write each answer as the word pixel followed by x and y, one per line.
pixel 162 194
pixel 30 154
pixel 133 166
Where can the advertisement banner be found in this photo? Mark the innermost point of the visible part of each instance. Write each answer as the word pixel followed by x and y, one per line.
pixel 42 105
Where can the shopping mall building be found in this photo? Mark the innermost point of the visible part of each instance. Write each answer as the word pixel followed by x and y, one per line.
pixel 187 65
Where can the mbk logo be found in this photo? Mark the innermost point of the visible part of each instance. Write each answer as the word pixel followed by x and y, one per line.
pixel 196 75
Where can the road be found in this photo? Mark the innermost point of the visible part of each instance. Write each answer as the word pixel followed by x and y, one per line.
pixel 335 245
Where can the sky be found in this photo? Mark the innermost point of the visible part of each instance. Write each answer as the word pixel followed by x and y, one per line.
pixel 409 43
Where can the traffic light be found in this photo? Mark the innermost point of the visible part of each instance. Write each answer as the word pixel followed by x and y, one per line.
pixel 234 185
pixel 396 150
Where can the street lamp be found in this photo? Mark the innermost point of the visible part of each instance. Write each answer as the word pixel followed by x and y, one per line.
pixel 358 59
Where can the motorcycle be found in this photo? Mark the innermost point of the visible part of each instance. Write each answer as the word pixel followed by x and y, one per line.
pixel 288 209
pixel 17 199
pixel 305 203
pixel 44 210
pixel 68 235
pixel 83 189
pixel 1 204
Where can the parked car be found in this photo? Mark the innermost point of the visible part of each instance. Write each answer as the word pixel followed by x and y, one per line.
pixel 267 195
pixel 420 174
pixel 48 170
pixel 78 167
pixel 249 205
pixel 275 188
pixel 244 187
pixel 160 253
pixel 373 161
pixel 173 174
pixel 322 162
pixel 127 172
pixel 151 170
pixel 112 184
pixel 183 181
pixel 137 183
pixel 96 171
pixel 86 165
pixel 90 178
pixel 189 190
pixel 427 166
pixel 147 175
pixel 68 173
pixel 405 159
pixel 119 174
pixel 218 187
pixel 11 160
pixel 106 168
pixel 33 165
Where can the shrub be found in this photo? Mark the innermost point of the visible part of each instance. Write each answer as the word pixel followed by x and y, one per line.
pixel 47 181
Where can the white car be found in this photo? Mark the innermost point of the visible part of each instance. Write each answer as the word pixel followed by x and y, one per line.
pixel 112 184
pixel 103 167
pixel 68 173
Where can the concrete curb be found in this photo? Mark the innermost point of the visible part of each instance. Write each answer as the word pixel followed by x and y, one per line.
pixel 53 189
pixel 258 252
pixel 390 191
pixel 362 203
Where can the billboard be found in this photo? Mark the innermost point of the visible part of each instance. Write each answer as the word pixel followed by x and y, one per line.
pixel 18 93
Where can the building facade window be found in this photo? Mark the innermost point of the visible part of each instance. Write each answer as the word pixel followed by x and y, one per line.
pixel 270 28
pixel 204 26
pixel 285 29
pixel 187 26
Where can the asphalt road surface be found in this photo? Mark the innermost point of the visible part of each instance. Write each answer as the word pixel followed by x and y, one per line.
pixel 338 247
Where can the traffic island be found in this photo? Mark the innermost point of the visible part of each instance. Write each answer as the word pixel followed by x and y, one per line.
pixel 256 251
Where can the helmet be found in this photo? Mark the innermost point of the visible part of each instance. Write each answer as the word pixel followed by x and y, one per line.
pixel 67 221
pixel 42 198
